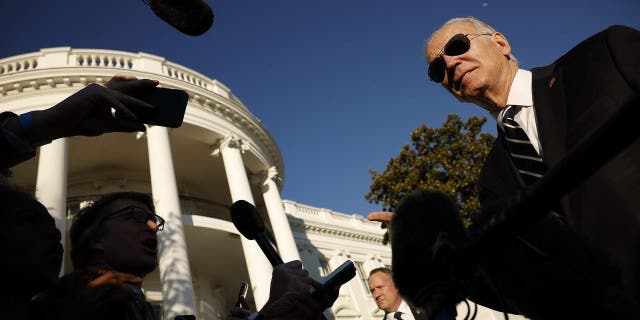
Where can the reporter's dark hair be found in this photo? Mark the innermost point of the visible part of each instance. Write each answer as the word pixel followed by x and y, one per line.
pixel 12 197
pixel 86 228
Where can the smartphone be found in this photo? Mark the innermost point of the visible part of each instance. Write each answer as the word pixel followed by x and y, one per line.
pixel 345 272
pixel 244 287
pixel 169 107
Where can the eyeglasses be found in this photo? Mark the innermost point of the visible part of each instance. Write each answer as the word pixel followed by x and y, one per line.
pixel 457 45
pixel 142 215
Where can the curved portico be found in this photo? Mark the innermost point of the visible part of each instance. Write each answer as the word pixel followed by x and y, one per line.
pixel 222 153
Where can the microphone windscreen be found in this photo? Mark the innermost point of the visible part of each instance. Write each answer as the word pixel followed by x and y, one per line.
pixel 423 221
pixel 192 17
pixel 246 219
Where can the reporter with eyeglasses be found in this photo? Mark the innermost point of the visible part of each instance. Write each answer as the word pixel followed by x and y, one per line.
pixel 541 115
pixel 113 247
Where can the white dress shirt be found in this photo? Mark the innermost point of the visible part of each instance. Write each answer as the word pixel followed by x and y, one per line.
pixel 521 94
pixel 406 312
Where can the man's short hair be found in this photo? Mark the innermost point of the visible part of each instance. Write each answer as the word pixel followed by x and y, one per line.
pixel 86 228
pixel 384 270
pixel 480 27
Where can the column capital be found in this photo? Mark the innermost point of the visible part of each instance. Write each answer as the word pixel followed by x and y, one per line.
pixel 261 177
pixel 229 141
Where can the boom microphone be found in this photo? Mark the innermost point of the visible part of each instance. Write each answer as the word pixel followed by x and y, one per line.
pixel 247 220
pixel 192 17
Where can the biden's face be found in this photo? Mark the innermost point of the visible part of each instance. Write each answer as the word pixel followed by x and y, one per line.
pixel 479 75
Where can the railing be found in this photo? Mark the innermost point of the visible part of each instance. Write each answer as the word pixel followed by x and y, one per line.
pixel 104 60
pixel 205 208
pixel 68 57
pixel 183 74
pixel 325 215
pixel 19 63
pixel 188 205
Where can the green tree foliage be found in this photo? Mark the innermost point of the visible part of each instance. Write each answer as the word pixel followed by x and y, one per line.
pixel 447 159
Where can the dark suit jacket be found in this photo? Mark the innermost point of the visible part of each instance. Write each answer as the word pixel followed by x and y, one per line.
pixel 419 316
pixel 572 97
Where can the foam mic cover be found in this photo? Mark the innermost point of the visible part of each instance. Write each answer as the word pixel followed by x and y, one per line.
pixel 246 219
pixel 426 231
pixel 192 17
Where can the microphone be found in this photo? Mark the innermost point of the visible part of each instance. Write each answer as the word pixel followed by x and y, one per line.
pixel 426 237
pixel 247 220
pixel 191 17
pixel 544 271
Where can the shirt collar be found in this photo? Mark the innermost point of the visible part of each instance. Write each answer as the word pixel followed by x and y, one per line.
pixel 520 92
pixel 404 308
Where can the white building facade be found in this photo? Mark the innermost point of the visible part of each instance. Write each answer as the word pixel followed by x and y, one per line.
pixel 222 153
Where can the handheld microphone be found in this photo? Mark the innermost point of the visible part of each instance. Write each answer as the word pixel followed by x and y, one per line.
pixel 191 17
pixel 427 235
pixel 245 217
pixel 247 220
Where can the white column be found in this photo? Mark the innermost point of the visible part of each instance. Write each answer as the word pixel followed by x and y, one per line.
pixel 51 184
pixel 257 264
pixel 175 274
pixel 279 223
pixel 351 291
pixel 310 260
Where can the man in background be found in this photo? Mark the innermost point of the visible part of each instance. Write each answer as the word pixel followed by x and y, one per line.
pixel 386 295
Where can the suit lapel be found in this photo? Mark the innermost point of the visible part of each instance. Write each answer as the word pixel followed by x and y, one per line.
pixel 499 176
pixel 550 108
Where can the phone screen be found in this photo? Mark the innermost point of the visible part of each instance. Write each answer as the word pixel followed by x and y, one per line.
pixel 169 107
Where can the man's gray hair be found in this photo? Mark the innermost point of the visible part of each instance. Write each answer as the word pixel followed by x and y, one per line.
pixel 480 27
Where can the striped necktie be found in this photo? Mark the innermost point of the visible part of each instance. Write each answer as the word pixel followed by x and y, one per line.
pixel 524 155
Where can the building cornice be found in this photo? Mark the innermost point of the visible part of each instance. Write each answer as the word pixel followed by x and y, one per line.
pixel 331 231
pixel 333 224
pixel 67 68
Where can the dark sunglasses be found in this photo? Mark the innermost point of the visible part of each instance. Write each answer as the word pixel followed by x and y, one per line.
pixel 457 45
pixel 141 215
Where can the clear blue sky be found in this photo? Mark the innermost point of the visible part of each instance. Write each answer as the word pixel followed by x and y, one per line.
pixel 339 83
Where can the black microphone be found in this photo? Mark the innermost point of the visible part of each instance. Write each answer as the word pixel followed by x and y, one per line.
pixel 426 237
pixel 191 17
pixel 247 220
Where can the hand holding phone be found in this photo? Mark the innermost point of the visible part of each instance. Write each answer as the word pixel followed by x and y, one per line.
pixel 345 272
pixel 242 294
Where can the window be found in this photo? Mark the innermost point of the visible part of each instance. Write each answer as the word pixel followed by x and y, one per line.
pixel 364 277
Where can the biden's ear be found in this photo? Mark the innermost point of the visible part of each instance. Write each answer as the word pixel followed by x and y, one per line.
pixel 501 41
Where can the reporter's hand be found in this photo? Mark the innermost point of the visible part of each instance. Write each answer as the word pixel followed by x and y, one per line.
pixel 88 111
pixel 381 216
pixel 90 294
pixel 290 297
pixel 288 277
pixel 293 306
pixel 238 313
pixel 130 85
